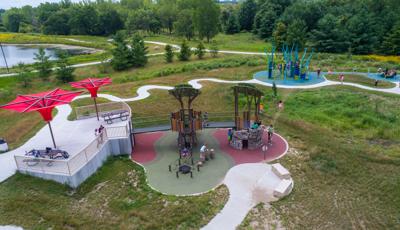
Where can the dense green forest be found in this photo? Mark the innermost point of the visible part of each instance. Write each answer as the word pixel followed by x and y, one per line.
pixel 353 26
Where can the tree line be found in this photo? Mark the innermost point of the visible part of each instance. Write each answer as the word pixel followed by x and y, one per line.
pixel 354 26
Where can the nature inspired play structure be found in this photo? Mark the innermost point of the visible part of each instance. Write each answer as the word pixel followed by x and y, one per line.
pixel 289 65
pixel 247 133
pixel 186 122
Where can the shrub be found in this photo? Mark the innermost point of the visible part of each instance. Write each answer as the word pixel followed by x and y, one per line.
pixel 43 64
pixel 200 51
pixel 185 53
pixel 169 54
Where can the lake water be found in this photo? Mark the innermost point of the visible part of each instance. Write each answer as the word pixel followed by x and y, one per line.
pixel 25 54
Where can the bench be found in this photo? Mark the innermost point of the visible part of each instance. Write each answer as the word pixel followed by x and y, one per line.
pixel 280 171
pixel 117 114
pixel 283 188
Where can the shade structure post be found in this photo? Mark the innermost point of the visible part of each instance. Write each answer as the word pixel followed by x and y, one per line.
pixel 95 105
pixel 52 135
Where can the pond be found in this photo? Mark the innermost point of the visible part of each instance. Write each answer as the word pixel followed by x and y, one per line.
pixel 25 53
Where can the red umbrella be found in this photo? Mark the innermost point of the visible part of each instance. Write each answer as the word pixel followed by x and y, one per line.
pixel 92 85
pixel 43 103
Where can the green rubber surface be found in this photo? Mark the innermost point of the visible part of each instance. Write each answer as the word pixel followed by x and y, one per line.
pixel 211 173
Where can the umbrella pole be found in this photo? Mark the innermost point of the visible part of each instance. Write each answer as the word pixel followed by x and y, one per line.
pixel 52 136
pixel 97 111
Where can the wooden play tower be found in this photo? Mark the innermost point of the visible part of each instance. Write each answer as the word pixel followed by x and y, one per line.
pixel 186 121
pixel 253 97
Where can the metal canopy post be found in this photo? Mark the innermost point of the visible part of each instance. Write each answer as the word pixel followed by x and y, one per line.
pixel 52 135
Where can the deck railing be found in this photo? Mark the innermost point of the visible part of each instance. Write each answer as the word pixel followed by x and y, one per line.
pixel 72 165
pixel 90 110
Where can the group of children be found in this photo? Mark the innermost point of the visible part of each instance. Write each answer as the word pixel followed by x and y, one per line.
pixel 387 73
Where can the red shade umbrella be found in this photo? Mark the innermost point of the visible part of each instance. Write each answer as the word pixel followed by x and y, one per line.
pixel 43 103
pixel 92 85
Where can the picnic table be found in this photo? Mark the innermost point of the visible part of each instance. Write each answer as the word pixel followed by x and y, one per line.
pixel 48 153
pixel 116 114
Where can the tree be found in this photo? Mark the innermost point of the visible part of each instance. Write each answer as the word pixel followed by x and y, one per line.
pixel 329 36
pixel 185 53
pixel 232 26
pixel 43 64
pixel 110 21
pixel 64 72
pixel 12 20
pixel 57 24
pixel 45 10
pixel 200 51
pixel 84 20
pixel 265 19
pixel 121 54
pixel 361 32
pixel 169 54
pixel 143 19
pixel 247 12
pixel 279 34
pixel 168 11
pixel 214 49
pixel 391 43
pixel 206 18
pixel 184 24
pixel 296 33
pixel 138 52
pixel 23 75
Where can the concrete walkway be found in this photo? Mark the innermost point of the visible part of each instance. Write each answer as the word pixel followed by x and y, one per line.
pixel 248 184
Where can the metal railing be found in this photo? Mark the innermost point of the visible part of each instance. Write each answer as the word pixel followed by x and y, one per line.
pixel 72 165
pixel 89 111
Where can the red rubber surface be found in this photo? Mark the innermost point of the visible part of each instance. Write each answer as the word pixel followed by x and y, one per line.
pixel 275 151
pixel 144 151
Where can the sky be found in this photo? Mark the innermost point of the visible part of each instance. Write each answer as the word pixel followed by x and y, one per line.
pixel 7 4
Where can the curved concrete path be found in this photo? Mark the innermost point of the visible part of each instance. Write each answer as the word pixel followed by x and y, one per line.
pixel 248 184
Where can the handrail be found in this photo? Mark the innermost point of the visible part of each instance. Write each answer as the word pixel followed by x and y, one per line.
pixel 69 166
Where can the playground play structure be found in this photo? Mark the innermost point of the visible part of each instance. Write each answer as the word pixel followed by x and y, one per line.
pixel 247 132
pixel 186 122
pixel 289 65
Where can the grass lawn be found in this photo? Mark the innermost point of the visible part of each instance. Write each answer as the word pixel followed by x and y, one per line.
pixel 116 197
pixel 238 42
pixel 362 80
